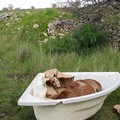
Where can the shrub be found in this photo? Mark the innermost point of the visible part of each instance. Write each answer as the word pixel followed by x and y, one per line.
pixel 60 45
pixel 89 36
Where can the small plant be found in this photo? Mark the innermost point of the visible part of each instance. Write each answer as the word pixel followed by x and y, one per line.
pixel 90 36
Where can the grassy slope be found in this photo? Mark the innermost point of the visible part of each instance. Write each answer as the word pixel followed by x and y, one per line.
pixel 21 58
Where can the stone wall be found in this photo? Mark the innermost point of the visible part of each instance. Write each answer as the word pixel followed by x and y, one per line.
pixel 98 14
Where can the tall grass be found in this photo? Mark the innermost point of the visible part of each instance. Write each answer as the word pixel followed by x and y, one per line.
pixel 19 74
pixel 99 60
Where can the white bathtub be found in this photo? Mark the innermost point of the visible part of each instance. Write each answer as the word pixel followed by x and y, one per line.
pixel 78 108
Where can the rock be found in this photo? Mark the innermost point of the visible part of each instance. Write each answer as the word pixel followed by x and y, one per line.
pixel 94 17
pixel 10 17
pixel 57 22
pixel 45 34
pixel 2 114
pixel 61 34
pixel 110 30
pixel 50 25
pixel 116 5
pixel 115 38
pixel 61 26
pixel 102 20
pixel 35 26
pixel 45 41
pixel 53 32
pixel 4 16
pixel 118 33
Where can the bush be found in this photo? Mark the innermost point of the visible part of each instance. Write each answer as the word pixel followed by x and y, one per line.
pixel 60 45
pixel 90 36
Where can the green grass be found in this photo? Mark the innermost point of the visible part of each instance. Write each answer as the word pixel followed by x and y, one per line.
pixel 21 58
pixel 17 75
